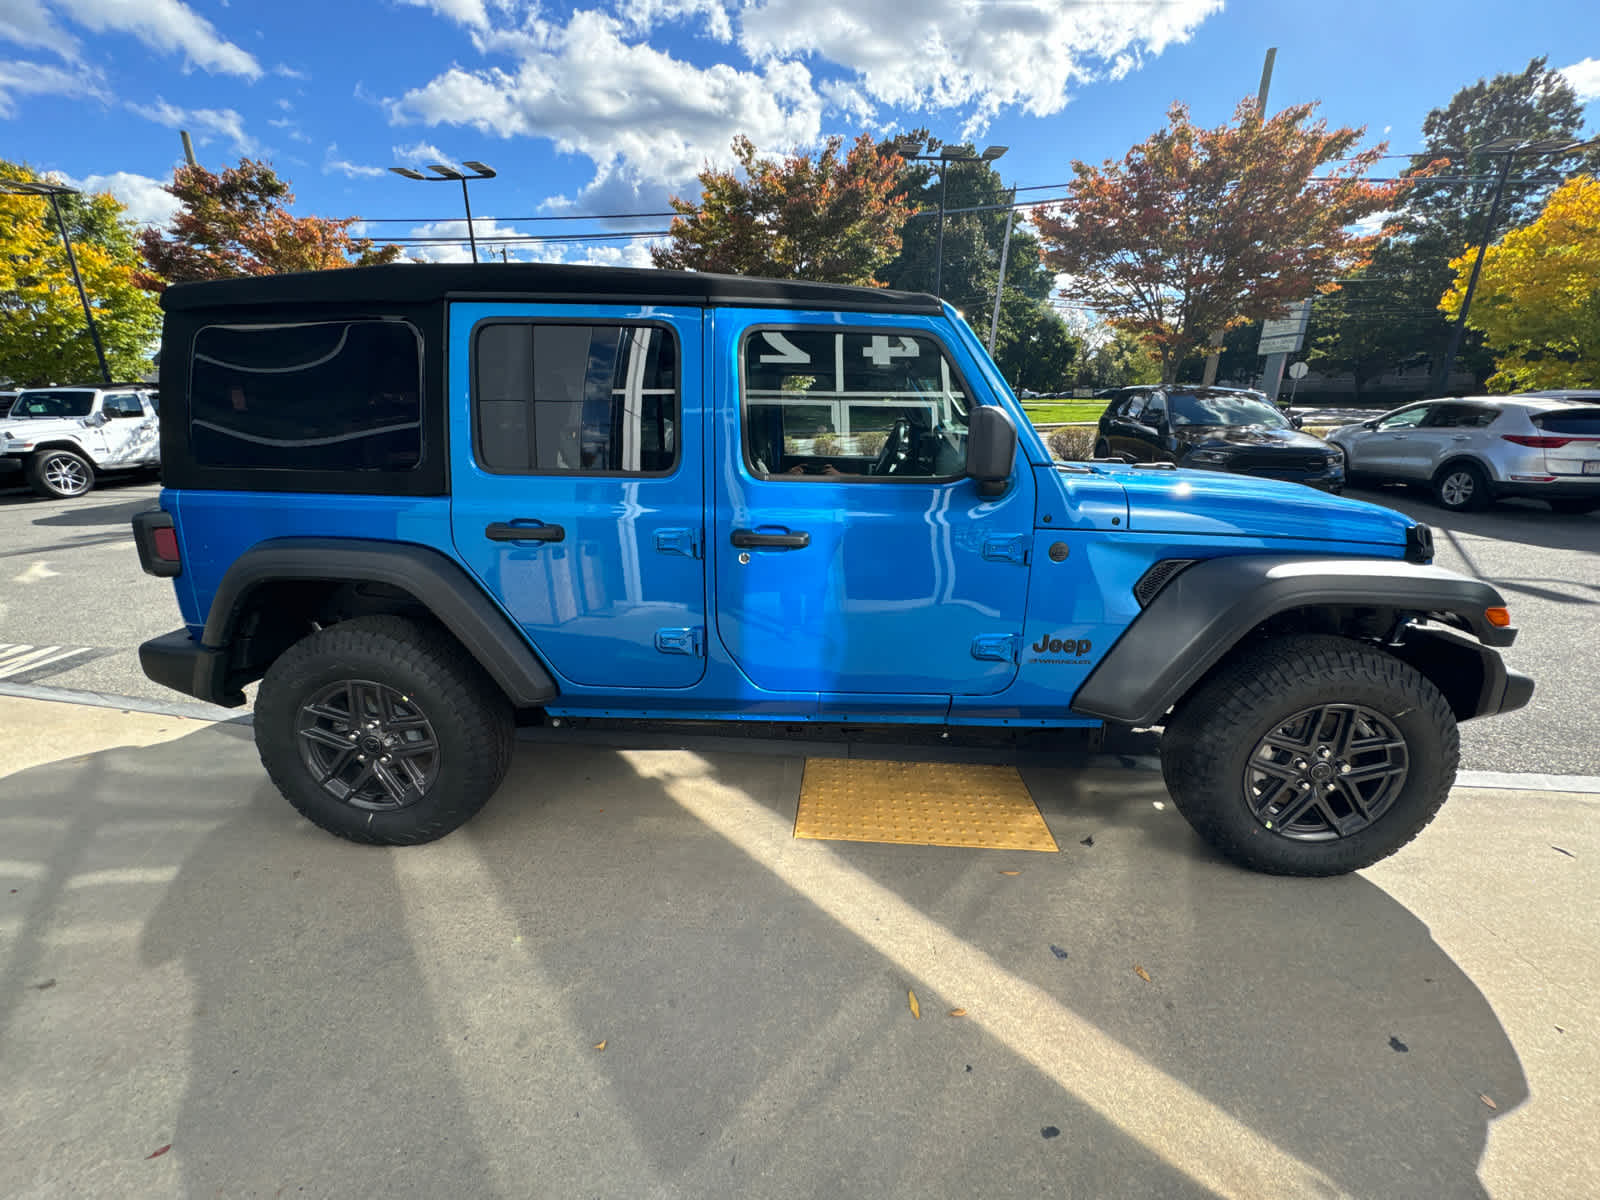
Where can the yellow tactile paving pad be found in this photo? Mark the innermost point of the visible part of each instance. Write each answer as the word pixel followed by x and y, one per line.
pixel 924 804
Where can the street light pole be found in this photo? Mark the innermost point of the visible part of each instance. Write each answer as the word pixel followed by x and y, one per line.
pixel 938 253
pixel 53 192
pixel 443 174
pixel 945 158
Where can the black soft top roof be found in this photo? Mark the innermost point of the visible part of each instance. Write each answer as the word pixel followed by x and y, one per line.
pixel 420 283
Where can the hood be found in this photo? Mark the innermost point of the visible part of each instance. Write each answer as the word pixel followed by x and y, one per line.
pixel 32 429
pixel 1220 505
pixel 1203 436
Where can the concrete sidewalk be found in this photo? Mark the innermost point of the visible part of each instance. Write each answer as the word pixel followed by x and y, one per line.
pixel 627 978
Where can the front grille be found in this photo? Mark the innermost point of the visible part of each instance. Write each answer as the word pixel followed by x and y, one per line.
pixel 1254 462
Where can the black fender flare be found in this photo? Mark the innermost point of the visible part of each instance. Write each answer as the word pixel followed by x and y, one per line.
pixel 1203 612
pixel 438 582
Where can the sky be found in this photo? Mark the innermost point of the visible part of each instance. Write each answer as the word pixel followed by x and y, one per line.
pixel 612 106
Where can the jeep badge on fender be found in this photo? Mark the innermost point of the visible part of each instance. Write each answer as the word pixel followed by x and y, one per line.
pixel 424 504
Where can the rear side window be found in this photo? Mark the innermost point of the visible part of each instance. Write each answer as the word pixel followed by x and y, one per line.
pixel 1460 416
pixel 322 396
pixel 575 399
pixel 1575 422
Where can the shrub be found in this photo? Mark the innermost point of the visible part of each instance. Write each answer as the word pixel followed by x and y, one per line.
pixel 1072 443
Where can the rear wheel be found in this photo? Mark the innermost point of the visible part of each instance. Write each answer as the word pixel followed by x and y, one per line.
pixel 59 474
pixel 383 730
pixel 1461 487
pixel 1311 756
pixel 1574 507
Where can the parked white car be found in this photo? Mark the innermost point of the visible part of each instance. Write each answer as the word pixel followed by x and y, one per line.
pixel 1474 450
pixel 64 438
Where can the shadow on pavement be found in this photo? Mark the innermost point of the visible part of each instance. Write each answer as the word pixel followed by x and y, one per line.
pixel 627 978
pixel 1526 522
pixel 121 513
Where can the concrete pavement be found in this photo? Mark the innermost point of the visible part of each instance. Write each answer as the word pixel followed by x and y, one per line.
pixel 186 963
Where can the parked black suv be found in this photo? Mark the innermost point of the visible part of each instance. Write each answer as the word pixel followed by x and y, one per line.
pixel 1215 429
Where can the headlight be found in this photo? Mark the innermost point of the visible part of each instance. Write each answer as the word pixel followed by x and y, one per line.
pixel 1335 454
pixel 1209 456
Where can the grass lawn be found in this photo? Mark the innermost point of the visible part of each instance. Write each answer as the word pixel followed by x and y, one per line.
pixel 1051 411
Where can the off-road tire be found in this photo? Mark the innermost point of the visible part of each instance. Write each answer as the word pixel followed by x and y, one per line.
pixel 468 715
pixel 44 470
pixel 1462 487
pixel 1211 736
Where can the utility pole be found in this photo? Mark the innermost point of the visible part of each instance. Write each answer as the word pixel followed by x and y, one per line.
pixel 1215 356
pixel 1000 284
pixel 188 148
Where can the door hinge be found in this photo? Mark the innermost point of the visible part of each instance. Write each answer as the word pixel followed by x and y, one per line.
pixel 678 541
pixel 1012 549
pixel 997 647
pixel 690 641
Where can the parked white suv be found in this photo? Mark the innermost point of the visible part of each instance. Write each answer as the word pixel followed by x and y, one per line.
pixel 65 437
pixel 1476 449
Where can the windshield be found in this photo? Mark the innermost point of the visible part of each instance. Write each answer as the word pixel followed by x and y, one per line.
pixel 53 404
pixel 1190 409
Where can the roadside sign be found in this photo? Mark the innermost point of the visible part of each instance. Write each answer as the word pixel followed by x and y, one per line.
pixel 1298 370
pixel 1286 344
pixel 1285 335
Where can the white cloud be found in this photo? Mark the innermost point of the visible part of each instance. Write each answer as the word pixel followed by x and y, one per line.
pixel 662 127
pixel 470 13
pixel 288 72
pixel 421 152
pixel 641 16
pixel 166 25
pixel 332 163
pixel 1368 226
pixel 221 121
pixel 1585 78
pixel 485 229
pixel 19 79
pixel 26 23
pixel 147 200
pixel 291 128
pixel 929 54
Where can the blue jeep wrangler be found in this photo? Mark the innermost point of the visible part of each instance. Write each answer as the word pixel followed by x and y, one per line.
pixel 420 503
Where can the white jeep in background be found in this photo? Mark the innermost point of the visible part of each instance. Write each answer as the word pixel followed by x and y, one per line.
pixel 64 438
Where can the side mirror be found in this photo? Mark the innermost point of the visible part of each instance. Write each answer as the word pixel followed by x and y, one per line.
pixel 99 418
pixel 1372 424
pixel 991 449
pixel 1297 422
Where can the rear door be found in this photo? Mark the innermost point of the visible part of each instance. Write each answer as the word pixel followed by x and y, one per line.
pixel 577 482
pixel 1451 430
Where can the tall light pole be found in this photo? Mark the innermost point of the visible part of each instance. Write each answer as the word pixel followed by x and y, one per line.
pixel 946 156
pixel 448 174
pixel 1509 148
pixel 53 192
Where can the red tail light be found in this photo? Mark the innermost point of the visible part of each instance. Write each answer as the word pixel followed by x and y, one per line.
pixel 1538 443
pixel 165 544
pixel 157 542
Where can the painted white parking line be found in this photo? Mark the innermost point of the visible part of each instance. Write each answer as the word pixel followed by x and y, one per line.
pixel 15 659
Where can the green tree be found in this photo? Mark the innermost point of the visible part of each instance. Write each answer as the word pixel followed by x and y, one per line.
pixel 1197 230
pixel 1538 297
pixel 43 337
pixel 1033 348
pixel 1121 360
pixel 834 218
pixel 237 223
pixel 1389 313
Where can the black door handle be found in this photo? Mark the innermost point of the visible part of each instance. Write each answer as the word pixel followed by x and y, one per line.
pixel 502 531
pixel 783 541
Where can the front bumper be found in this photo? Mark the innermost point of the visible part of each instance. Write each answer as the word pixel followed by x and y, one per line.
pixel 177 661
pixel 1472 676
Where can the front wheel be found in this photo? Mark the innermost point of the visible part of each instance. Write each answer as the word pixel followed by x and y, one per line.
pixel 59 474
pixel 1311 756
pixel 383 730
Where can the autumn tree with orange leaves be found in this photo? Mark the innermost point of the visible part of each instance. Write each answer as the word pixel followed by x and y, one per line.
pixel 238 223
pixel 834 218
pixel 1197 230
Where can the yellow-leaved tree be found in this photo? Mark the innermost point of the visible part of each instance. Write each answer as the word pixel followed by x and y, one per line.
pixel 43 337
pixel 1538 298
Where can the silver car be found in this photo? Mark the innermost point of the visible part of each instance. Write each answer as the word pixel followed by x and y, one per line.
pixel 1473 450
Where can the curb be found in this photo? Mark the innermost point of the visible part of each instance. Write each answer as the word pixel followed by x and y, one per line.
pixel 1494 780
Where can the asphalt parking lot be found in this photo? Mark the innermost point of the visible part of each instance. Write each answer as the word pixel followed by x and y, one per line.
pixel 69 579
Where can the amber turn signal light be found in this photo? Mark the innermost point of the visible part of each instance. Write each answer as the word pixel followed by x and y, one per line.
pixel 1500 618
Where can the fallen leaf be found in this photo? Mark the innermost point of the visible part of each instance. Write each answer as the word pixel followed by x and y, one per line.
pixel 1141 972
pixel 158 1153
pixel 45 986
pixel 600 1045
pixel 1011 872
pixel 958 1012
pixel 1058 951
pixel 916 1009
pixel 1559 850
pixel 1487 1101
pixel 1398 1046
pixel 1088 841
pixel 1049 1131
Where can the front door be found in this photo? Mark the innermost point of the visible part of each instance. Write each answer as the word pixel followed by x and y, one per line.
pixel 852 556
pixel 130 435
pixel 1393 446
pixel 577 482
